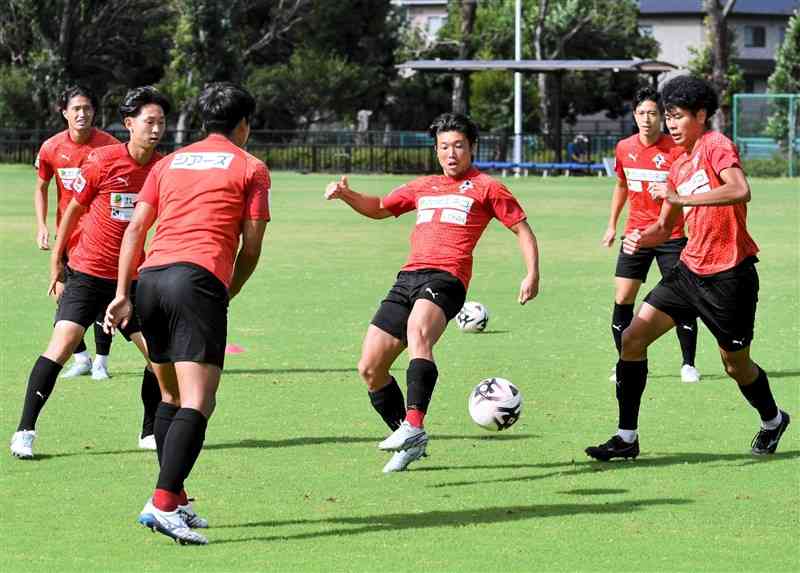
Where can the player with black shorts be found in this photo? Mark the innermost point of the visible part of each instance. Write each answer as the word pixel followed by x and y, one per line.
pixel 190 273
pixel 716 278
pixel 61 157
pixel 641 161
pixel 452 212
pixel 105 189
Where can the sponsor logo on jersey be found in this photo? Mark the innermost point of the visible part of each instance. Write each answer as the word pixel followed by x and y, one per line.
pixel 202 160
pixel 122 205
pixel 651 175
pixel 65 156
pixel 123 180
pixel 697 183
pixel 632 156
pixel 68 176
pixel 454 208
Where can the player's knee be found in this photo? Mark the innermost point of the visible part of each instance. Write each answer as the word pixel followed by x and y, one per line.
pixel 633 345
pixel 737 369
pixel 370 374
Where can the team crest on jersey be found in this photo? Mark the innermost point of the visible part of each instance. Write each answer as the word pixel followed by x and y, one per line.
pixel 659 160
pixel 465 186
pixel 78 183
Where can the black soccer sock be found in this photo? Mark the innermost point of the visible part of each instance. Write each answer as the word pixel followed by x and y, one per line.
pixel 760 397
pixel 80 348
pixel 389 403
pixel 421 378
pixel 181 447
pixel 102 340
pixel 151 396
pixel 631 380
pixel 164 415
pixel 687 337
pixel 620 319
pixel 40 385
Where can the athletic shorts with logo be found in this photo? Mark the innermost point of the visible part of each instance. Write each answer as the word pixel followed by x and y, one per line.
pixel 439 287
pixel 636 266
pixel 86 297
pixel 183 310
pixel 725 302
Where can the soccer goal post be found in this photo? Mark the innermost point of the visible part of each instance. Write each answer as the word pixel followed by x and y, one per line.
pixel 766 128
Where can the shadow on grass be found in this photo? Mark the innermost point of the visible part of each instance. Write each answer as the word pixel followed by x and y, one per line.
pixel 719 375
pixel 595 491
pixel 399 521
pixel 286 370
pixel 574 468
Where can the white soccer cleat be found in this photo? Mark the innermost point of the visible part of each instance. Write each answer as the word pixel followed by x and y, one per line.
pixel 100 372
pixel 689 374
pixel 169 523
pixel 191 518
pixel 78 368
pixel 147 442
pixel 401 460
pixel 22 444
pixel 404 437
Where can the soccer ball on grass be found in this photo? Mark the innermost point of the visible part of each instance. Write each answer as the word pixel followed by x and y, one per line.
pixel 495 404
pixel 473 317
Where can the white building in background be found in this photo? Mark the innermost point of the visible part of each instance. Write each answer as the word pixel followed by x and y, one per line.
pixel 759 27
pixel 427 15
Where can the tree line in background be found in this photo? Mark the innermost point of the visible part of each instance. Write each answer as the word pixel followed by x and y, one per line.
pixel 317 63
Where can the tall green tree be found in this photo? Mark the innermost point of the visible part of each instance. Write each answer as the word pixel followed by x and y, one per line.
pixel 786 79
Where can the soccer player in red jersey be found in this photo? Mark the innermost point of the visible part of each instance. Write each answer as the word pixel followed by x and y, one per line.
pixel 452 209
pixel 642 160
pixel 716 278
pixel 105 189
pixel 61 156
pixel 206 197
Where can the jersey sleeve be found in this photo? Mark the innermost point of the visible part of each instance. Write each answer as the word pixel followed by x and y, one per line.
pixel 87 183
pixel 44 168
pixel 618 169
pixel 257 194
pixel 504 205
pixel 401 199
pixel 149 191
pixel 723 155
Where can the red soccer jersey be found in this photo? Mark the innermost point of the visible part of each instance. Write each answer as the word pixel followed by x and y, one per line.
pixel 718 237
pixel 62 157
pixel 637 166
pixel 202 193
pixel 107 184
pixel 451 216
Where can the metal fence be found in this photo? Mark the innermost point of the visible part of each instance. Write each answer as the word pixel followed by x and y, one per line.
pixel 341 151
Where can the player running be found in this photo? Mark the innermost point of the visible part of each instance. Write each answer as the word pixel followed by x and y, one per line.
pixel 642 160
pixel 453 209
pixel 105 189
pixel 206 197
pixel 716 278
pixel 61 156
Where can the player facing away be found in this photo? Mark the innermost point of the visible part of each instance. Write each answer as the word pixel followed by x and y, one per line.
pixel 61 156
pixel 642 160
pixel 716 278
pixel 208 198
pixel 453 209
pixel 105 190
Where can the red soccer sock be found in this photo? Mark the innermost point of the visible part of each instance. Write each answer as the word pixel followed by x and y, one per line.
pixel 415 417
pixel 165 500
pixel 183 499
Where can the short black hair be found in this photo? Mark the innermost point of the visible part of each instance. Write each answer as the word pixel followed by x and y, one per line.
pixel 692 93
pixel 137 98
pixel 78 90
pixel 646 93
pixel 454 122
pixel 223 105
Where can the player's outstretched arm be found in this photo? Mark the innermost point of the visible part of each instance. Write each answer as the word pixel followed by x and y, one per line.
pixel 529 247
pixel 69 222
pixel 40 207
pixel 618 200
pixel 249 253
pixel 366 205
pixel 118 312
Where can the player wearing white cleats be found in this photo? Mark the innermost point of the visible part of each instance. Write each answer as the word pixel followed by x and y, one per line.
pixel 170 523
pixel 190 516
pixel 22 444
pixel 404 437
pixel 401 459
pixel 689 374
pixel 78 368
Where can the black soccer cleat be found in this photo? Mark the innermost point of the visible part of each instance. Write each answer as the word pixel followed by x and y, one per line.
pixel 616 447
pixel 766 441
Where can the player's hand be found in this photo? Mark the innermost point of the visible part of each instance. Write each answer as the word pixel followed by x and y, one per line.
pixel 43 238
pixel 659 190
pixel 529 288
pixel 632 242
pixel 608 238
pixel 673 198
pixel 118 313
pixel 336 189
pixel 56 286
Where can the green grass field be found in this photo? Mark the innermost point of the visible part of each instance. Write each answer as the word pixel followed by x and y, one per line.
pixel 290 477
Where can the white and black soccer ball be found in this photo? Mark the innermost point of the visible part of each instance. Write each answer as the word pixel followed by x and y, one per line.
pixel 473 317
pixel 495 404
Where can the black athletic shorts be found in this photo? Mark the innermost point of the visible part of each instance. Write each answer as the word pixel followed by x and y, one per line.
pixel 725 302
pixel 183 309
pixel 636 266
pixel 86 297
pixel 439 287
